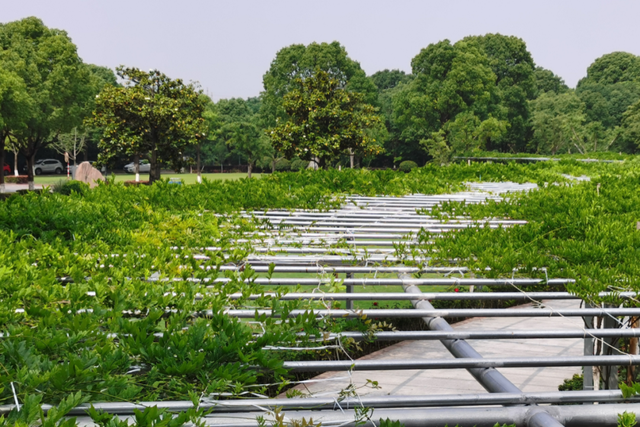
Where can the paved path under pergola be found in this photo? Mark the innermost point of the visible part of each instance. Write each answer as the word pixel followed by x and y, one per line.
pixel 459 381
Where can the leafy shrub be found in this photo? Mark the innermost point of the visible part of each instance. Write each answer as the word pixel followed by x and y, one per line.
pixel 135 183
pixel 298 165
pixel 20 179
pixel 283 165
pixel 66 187
pixel 573 383
pixel 407 165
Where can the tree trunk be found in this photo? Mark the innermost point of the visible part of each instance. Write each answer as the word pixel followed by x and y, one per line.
pixel 30 163
pixel 15 163
pixel 136 166
pixel 198 164
pixel 249 171
pixel 351 157
pixel 153 172
pixel 273 166
pixel 2 157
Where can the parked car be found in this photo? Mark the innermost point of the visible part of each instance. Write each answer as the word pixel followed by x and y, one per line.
pixel 6 169
pixel 47 166
pixel 145 166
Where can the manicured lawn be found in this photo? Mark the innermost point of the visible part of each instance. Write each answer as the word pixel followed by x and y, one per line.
pixel 186 177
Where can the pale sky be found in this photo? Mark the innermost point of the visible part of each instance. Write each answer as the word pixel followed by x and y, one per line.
pixel 228 45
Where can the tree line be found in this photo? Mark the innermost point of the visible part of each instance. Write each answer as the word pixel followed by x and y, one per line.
pixel 482 93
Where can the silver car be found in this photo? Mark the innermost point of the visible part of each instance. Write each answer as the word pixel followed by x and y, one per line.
pixel 144 167
pixel 48 166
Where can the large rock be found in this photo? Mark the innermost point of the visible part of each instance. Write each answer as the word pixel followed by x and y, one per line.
pixel 87 173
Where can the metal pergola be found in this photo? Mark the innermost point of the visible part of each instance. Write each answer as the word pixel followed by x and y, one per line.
pixel 298 243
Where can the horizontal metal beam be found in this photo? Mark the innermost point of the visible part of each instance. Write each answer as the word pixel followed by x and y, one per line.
pixel 347 269
pixel 430 296
pixel 399 282
pixel 489 335
pixel 411 364
pixel 605 415
pixel 482 312
pixel 377 402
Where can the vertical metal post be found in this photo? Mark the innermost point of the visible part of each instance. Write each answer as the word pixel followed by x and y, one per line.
pixel 351 238
pixel 587 371
pixel 349 302
pixel 610 347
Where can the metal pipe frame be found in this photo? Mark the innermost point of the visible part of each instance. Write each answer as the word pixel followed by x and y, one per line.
pixel 317 269
pixel 431 296
pixel 313 260
pixel 401 282
pixel 457 313
pixel 376 402
pixel 464 363
pixel 389 221
pixel 489 335
pixel 530 416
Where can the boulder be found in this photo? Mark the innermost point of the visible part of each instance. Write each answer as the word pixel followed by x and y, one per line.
pixel 87 173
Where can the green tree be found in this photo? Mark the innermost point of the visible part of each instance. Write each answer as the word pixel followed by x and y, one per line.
pixel 388 79
pixel 557 121
pixel 468 134
pixel 104 75
pixel 611 87
pixel 14 110
pixel 547 81
pixel 152 115
pixel 630 129
pixel 325 121
pixel 448 80
pixel 606 103
pixel 389 83
pixel 613 68
pixel 299 62
pixel 58 84
pixel 240 129
pixel 513 67
pixel 247 140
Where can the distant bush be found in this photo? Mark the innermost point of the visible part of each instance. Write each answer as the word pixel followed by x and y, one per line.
pixel 573 383
pixel 298 165
pixel 133 183
pixel 407 165
pixel 66 187
pixel 20 179
pixel 283 165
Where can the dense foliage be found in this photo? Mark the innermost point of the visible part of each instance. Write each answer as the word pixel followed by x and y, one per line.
pixel 110 333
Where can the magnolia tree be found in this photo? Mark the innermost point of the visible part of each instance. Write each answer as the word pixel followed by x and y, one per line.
pixel 325 121
pixel 150 115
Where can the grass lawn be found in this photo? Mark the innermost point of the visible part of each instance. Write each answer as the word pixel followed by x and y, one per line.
pixel 187 178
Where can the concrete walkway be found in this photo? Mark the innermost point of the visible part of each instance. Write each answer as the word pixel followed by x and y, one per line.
pixel 12 188
pixel 455 381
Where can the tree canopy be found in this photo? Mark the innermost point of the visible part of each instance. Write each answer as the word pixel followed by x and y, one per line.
pixel 449 80
pixel 59 87
pixel 325 121
pixel 547 81
pixel 151 115
pixel 299 62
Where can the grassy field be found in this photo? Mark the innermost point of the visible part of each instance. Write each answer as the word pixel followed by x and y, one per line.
pixel 187 178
